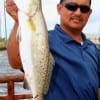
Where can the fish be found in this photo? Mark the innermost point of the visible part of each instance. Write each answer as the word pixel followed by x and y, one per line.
pixel 35 54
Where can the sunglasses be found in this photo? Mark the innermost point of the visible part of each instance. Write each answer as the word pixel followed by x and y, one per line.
pixel 73 7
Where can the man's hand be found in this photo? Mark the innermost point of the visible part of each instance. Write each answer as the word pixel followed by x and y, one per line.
pixel 12 9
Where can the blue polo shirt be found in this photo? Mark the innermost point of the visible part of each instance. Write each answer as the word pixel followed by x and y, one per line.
pixel 75 74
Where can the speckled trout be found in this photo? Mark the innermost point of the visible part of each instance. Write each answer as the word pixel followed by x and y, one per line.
pixel 34 48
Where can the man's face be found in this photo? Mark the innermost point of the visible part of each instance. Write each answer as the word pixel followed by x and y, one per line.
pixel 74 14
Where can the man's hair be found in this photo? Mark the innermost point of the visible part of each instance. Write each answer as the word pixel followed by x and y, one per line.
pixel 63 0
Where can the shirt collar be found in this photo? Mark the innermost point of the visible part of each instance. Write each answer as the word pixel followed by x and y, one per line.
pixel 66 38
pixel 60 33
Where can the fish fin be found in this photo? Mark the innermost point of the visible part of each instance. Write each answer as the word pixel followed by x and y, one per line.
pixel 49 74
pixel 31 24
pixel 26 85
pixel 18 35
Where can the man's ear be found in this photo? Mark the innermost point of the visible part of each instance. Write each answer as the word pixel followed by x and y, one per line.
pixel 59 8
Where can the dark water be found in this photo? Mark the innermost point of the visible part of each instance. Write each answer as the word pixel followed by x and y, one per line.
pixel 6 69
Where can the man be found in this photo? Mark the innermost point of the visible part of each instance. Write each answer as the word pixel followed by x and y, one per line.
pixel 77 61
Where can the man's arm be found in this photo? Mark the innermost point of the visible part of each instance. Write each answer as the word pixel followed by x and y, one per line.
pixel 12 43
pixel 13 49
pixel 98 93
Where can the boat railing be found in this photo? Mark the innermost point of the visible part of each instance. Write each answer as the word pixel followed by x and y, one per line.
pixel 11 95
